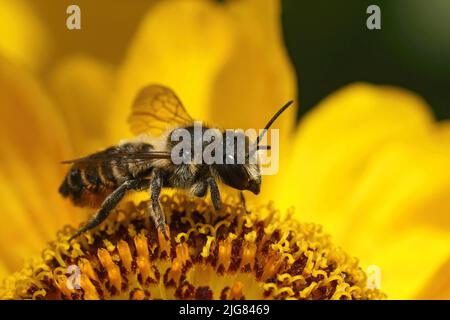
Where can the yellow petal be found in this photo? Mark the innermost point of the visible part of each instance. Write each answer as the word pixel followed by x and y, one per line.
pixel 4 272
pixel 180 44
pixel 401 203
pixel 437 286
pixel 20 235
pixel 106 27
pixel 443 131
pixel 335 142
pixel 410 262
pixel 370 164
pixel 257 77
pixel 24 38
pixel 82 87
pixel 34 141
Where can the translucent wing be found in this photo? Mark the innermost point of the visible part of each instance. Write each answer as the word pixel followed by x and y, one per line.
pixel 155 109
pixel 105 157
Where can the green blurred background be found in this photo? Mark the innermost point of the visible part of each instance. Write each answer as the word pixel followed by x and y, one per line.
pixel 327 40
pixel 330 46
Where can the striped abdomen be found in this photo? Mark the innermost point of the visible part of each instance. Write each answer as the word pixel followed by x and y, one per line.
pixel 90 180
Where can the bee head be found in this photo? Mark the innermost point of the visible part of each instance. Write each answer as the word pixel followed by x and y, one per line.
pixel 238 169
pixel 241 170
pixel 241 176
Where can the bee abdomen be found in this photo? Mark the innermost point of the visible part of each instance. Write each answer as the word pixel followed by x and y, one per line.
pixel 86 186
pixel 72 184
pixel 89 182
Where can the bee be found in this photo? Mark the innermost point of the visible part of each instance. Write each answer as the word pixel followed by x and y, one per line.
pixel 102 179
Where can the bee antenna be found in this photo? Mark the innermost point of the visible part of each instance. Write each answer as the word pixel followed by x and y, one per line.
pixel 271 121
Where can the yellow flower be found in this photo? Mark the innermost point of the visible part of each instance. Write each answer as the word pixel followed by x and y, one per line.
pixel 24 37
pixel 210 255
pixel 369 162
pixel 33 139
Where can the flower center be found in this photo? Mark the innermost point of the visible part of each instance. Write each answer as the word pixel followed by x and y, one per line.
pixel 210 255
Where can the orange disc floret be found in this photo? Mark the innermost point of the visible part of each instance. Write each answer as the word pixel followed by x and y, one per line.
pixel 228 254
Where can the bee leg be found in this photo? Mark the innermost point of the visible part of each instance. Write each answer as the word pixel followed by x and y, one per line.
pixel 199 189
pixel 215 193
pixel 110 203
pixel 244 203
pixel 156 211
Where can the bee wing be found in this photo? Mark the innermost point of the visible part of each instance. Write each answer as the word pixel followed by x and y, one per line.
pixel 155 109
pixel 121 157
